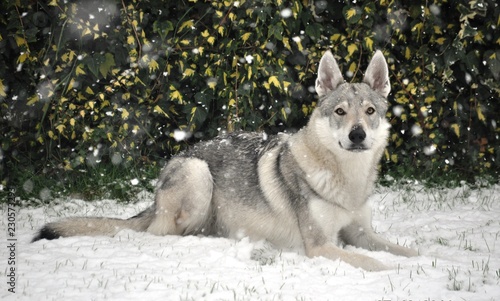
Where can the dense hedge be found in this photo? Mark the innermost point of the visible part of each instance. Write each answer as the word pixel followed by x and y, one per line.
pixel 85 82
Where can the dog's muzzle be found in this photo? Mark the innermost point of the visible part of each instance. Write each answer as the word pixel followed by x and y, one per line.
pixel 357 135
pixel 357 138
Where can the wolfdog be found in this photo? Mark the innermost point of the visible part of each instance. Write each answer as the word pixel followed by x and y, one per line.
pixel 306 190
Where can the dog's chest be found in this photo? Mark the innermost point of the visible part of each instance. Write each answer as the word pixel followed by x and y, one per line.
pixel 346 190
pixel 329 217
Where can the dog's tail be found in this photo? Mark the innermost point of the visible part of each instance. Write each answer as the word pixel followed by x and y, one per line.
pixel 95 226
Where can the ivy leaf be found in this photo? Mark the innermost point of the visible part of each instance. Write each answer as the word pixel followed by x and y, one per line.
pixel 352 14
pixel 186 24
pixel 369 43
pixel 23 57
pixel 2 89
pixel 163 28
pixel 277 31
pixel 175 94
pixel 407 53
pixel 79 70
pixel 313 30
pixel 352 67
pixel 130 40
pixel 245 36
pixel 20 41
pixel 32 100
pixel 106 66
pixel 125 114
pixel 456 129
pixel 352 48
pixel 93 64
pixel 158 109
pixel 89 91
pixel 480 114
pixel 187 73
pixel 61 128
pixel 273 80
pixel 284 113
pixel 153 66
pixel 441 41
pixel 197 115
pixel 493 62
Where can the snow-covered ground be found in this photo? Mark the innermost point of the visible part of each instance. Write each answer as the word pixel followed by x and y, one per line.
pixel 456 230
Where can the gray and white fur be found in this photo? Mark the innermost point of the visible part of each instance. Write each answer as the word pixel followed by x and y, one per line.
pixel 307 190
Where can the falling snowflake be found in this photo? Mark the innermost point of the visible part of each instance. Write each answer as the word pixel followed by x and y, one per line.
pixel 180 135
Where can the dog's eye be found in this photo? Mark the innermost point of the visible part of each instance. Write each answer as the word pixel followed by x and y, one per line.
pixel 370 111
pixel 340 111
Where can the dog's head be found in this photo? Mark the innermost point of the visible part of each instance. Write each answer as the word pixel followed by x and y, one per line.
pixel 349 116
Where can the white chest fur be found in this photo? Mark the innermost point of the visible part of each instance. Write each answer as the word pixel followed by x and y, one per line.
pixel 345 180
pixel 346 186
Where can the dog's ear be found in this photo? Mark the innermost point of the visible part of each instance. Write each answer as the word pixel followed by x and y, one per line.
pixel 377 74
pixel 329 75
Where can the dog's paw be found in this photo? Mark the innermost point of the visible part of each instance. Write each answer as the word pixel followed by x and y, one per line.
pixel 373 265
pixel 401 251
pixel 407 252
pixel 162 226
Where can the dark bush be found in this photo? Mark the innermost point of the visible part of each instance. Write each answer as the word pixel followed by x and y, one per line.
pixel 95 82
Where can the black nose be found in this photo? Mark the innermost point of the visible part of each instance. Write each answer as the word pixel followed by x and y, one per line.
pixel 357 135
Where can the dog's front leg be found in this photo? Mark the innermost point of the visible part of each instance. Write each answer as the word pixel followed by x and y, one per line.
pixel 359 233
pixel 331 251
pixel 363 237
pixel 317 242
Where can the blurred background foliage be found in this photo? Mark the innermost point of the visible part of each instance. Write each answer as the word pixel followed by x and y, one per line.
pixel 92 88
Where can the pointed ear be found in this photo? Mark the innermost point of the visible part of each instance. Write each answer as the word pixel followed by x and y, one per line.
pixel 329 75
pixel 377 74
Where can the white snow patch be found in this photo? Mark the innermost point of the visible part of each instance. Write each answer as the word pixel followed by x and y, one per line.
pixel 456 230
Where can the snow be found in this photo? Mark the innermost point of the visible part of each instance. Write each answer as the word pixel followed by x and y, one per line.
pixel 180 135
pixel 286 13
pixel 456 230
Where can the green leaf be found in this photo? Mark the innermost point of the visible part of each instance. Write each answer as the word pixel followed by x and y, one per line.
pixel 492 60
pixel 163 28
pixel 313 30
pixel 2 89
pixel 245 36
pixel 273 80
pixel 352 14
pixel 187 24
pixel 107 65
pixel 197 115
pixel 277 31
pixel 369 43
pixel 79 70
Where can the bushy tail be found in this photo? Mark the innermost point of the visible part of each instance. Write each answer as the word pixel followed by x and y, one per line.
pixel 94 226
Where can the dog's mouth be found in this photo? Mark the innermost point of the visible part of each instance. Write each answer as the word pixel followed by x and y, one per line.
pixel 355 148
